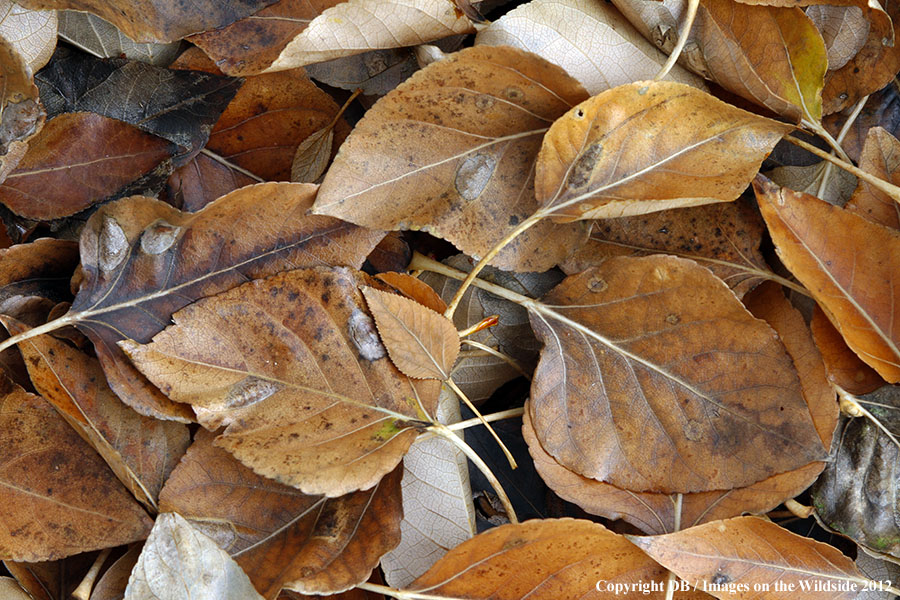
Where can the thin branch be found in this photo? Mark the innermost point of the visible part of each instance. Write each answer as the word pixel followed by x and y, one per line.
pixel 826 174
pixel 83 591
pixel 462 396
pixel 510 413
pixel 504 357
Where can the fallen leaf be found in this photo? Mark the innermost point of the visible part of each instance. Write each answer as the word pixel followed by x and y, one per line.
pixel 305 387
pixel 112 584
pixel 375 72
pixel 51 580
pixel 80 159
pixel 414 289
pixel 357 26
pixel 859 302
pixel 591 40
pixel 312 156
pixel 736 554
pixel 877 570
pixel 58 496
pixel 881 157
pixel 450 151
pixel 101 38
pixel 278 535
pixel 844 30
pixel 201 181
pixel 155 20
pixel 839 187
pixel 179 562
pixel 143 260
pixel 21 112
pixel 10 590
pixel 724 237
pixel 141 451
pixel 843 366
pixel 649 146
pixel 31 32
pixel 882 109
pixel 654 377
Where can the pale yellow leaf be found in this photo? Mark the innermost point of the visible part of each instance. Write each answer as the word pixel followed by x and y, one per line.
pixel 31 32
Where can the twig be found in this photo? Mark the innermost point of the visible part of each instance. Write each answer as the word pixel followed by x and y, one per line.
pixel 83 591
pixel 826 174
pixel 686 27
pixel 510 413
pixel 462 396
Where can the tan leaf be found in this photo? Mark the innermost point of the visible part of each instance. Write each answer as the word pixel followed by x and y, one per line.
pixel 57 497
pixel 451 151
pixel 807 178
pixel 293 366
pixel 422 343
pixel 414 289
pixel 649 146
pixel 179 562
pixel 101 38
pixel 10 590
pixel 729 557
pixel 311 156
pixel 591 40
pixel 843 366
pixel 356 26
pixel 21 112
pixel 141 451
pixel 880 157
pixel 111 586
pixel 654 377
pixel 142 260
pixel 844 30
pixel 79 159
pixel 859 302
pixel 31 32
pixel 277 534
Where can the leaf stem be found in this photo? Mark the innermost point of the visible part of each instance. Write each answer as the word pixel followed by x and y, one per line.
pixel 422 262
pixel 83 591
pixel 676 525
pixel 850 406
pixel 686 27
pixel 504 357
pixel 47 327
pixel 400 594
pixel 797 509
pixel 823 133
pixel 462 396
pixel 510 413
pixel 445 432
pixel 826 174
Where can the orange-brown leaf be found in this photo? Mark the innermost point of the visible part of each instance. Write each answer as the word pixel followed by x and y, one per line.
pixel 880 157
pixel 842 364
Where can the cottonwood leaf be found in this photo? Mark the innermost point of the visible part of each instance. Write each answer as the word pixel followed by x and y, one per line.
pixel 653 377
pixel 591 40
pixel 881 157
pixel 102 39
pixel 80 159
pixel 375 72
pixel 143 260
pixel 772 56
pixel 844 367
pixel 422 343
pixel 880 110
pixel 357 26
pixel 451 152
pixel 749 550
pixel 141 451
pixel 58 498
pixel 859 302
pixel 31 32
pixel 414 289
pixel 724 237
pixel 278 535
pixel 844 30
pixel 293 366
pixel 179 562
pixel 649 146
pixel 155 20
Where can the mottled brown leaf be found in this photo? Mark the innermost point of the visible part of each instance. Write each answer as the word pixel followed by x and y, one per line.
pixel 202 180
pixel 21 112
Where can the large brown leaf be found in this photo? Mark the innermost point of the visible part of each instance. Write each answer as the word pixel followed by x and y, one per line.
pixel 141 451
pixel 452 150
pixel 293 366
pixel 649 146
pixel 143 260
pixel 654 377
pixel 849 265
pixel 57 497
pixel 277 534
pixel 881 157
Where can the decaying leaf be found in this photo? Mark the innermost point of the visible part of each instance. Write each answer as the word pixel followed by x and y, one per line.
pixel 278 535
pixel 821 244
pixel 294 368
pixel 591 40
pixel 375 72
pixel 21 112
pixel 843 365
pixel 808 178
pixel 57 497
pixel 179 562
pixel 31 32
pixel 101 38
pixel 143 260
pixel 649 146
pixel 881 157
pixel 311 156
pixel 877 570
pixel 451 151
pixel 654 377
pixel 844 30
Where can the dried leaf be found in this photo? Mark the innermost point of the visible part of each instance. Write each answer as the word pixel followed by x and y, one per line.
pixel 727 558
pixel 312 155
pixel 11 590
pixel 881 157
pixel 357 26
pixel 859 302
pixel 293 366
pixel 451 151
pixel 179 562
pixel 724 237
pixel 278 535
pixel 653 377
pixel 143 260
pixel 422 343
pixel 808 178
pixel 591 40
pixel 844 30
pixel 112 584
pixel 58 498
pixel 51 580
pixel 877 570
pixel 31 32
pixel 141 451
pixel 414 289
pixel 843 366
pixel 882 109
pixel 649 146
pixel 201 181
pixel 376 72
pixel 21 112
pixel 102 39
pixel 80 159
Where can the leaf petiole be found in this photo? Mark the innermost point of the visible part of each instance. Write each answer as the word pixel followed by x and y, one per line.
pixel 462 396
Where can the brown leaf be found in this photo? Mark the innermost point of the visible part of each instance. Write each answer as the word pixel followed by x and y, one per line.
pixel 422 343
pixel 204 179
pixel 880 157
pixel 808 178
pixel 844 30
pixel 111 586
pixel 277 534
pixel 293 366
pixel 58 498
pixel 312 155
pixel 724 237
pixel 102 39
pixel 54 579
pixel 649 146
pixel 79 159
pixel 21 112
pixel 414 289
pixel 736 554
pixel 452 150
pixel 858 301
pixel 843 366
pixel 141 451
pixel 653 377
pixel 375 72
pixel 143 260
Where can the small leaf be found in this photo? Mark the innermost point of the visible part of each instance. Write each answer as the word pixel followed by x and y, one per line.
pixel 311 156
pixel 21 112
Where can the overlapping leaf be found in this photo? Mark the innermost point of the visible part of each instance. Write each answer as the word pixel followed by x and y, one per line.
pixel 843 365
pixel 102 39
pixel 880 157
pixel 31 32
